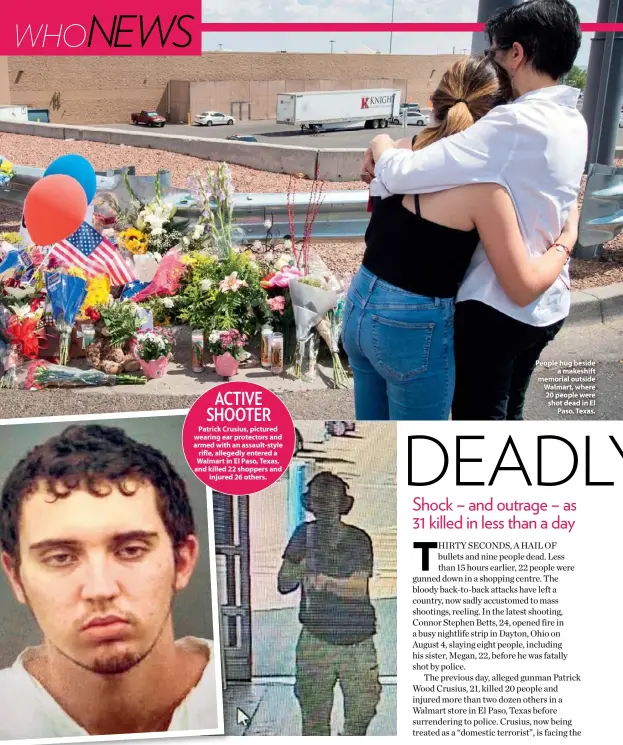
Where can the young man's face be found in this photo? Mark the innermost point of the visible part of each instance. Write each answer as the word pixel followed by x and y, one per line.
pixel 99 574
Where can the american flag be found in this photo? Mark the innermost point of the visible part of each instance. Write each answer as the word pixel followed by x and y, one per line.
pixel 90 251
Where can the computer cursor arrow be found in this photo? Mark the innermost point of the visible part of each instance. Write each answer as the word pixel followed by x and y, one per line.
pixel 242 717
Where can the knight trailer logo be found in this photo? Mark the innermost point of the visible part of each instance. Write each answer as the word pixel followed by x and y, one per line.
pixel 368 101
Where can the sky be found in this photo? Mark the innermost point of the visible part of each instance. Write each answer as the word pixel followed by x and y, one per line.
pixel 361 11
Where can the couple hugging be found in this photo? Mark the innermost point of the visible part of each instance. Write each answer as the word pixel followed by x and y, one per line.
pixel 465 276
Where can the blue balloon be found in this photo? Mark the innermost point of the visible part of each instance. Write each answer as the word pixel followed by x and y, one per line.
pixel 78 168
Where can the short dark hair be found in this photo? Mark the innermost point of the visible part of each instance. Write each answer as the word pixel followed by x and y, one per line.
pixel 94 457
pixel 548 30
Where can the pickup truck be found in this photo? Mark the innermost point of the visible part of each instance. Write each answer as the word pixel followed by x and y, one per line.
pixel 149 118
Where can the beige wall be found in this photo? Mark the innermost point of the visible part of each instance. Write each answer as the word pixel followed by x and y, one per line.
pixel 5 89
pixel 105 90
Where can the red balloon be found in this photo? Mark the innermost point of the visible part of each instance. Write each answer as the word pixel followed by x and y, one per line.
pixel 54 209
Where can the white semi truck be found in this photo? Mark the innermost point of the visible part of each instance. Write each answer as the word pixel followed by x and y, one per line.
pixel 316 110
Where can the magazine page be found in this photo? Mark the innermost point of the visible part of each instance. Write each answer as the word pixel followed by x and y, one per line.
pixel 507 604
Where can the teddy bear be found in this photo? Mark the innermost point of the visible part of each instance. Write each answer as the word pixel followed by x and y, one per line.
pixel 111 360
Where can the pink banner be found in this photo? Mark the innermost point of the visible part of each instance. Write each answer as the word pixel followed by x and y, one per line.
pixel 114 28
pixel 370 27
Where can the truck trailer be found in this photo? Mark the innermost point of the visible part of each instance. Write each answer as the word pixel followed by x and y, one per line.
pixel 316 110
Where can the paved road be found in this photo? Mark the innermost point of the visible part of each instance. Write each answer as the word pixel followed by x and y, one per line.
pixel 602 343
pixel 279 134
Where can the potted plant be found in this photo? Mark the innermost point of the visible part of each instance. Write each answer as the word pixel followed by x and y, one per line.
pixel 226 348
pixel 153 350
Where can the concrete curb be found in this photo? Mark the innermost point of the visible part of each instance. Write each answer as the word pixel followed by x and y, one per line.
pixel 596 304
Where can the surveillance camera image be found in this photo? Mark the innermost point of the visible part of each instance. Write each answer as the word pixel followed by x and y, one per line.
pixel 307 589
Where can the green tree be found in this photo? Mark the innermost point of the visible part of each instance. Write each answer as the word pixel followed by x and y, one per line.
pixel 576 78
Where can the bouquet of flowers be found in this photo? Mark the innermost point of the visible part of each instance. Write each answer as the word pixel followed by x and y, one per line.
pixel 150 346
pixel 329 329
pixel 41 374
pixel 228 341
pixel 66 294
pixel 121 322
pixel 6 171
pixel 311 301
pixel 167 278
pixel 214 193
pixel 23 337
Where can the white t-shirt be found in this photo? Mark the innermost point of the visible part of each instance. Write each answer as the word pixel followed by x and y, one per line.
pixel 536 148
pixel 28 711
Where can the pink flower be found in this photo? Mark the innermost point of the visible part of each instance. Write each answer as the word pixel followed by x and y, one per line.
pixel 277 304
pixel 282 278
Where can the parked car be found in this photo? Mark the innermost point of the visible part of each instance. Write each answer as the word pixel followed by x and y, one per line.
pixel 149 118
pixel 339 428
pixel 242 138
pixel 209 118
pixel 309 432
pixel 621 119
pixel 406 108
pixel 417 119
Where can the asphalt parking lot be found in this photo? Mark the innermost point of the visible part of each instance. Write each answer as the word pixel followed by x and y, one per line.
pixel 280 134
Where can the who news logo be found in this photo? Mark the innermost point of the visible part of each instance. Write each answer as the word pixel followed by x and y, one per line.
pixel 114 28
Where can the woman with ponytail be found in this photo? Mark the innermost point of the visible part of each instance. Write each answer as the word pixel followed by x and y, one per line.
pixel 398 327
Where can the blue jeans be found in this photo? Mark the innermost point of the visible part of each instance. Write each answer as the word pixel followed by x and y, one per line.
pixel 401 349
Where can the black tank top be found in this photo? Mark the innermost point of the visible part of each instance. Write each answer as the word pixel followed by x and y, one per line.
pixel 414 254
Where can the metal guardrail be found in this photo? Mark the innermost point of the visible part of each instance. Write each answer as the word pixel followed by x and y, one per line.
pixel 342 214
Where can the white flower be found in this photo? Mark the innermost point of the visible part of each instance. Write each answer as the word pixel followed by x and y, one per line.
pixel 168 302
pixel 214 337
pixel 283 260
pixel 205 284
pixel 20 292
pixel 21 311
pixel 186 240
pixel 231 283
pixel 198 231
pixel 155 224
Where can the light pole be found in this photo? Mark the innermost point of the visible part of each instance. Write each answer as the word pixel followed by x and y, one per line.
pixel 487 8
pixel 332 42
pixel 391 33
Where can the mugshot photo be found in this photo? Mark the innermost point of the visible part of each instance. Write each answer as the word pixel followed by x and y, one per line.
pixel 108 598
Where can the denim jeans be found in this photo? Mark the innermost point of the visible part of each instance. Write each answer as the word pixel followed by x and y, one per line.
pixel 401 349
